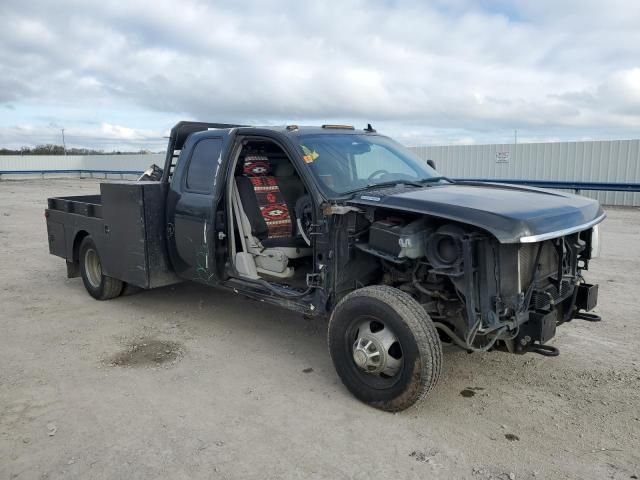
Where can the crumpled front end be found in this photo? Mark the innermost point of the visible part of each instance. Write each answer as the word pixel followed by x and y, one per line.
pixel 541 286
pixel 481 293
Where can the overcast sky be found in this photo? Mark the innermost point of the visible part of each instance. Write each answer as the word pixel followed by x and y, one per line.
pixel 119 74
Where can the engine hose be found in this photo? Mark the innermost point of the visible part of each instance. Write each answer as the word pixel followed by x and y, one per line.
pixel 529 293
pixel 459 342
pixel 426 291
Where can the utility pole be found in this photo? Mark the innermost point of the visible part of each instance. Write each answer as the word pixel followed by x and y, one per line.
pixel 64 145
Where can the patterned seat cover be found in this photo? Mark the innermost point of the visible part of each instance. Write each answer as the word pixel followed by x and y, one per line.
pixel 272 206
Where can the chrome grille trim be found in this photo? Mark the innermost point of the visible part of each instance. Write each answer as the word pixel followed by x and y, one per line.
pixel 562 233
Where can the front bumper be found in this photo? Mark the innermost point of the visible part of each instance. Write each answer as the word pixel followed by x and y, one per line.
pixel 542 323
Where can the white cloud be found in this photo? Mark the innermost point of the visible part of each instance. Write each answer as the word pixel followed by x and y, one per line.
pixel 442 72
pixel 622 91
pixel 119 132
pixel 105 136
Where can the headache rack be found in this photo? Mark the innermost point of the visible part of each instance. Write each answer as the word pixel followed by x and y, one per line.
pixel 179 134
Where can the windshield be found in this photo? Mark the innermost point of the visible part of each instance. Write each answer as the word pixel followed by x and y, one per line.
pixel 348 163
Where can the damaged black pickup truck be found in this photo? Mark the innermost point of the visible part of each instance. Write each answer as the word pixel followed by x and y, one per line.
pixel 342 223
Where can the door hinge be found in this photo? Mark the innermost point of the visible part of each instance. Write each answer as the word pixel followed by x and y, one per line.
pixel 315 279
pixel 171 229
pixel 315 229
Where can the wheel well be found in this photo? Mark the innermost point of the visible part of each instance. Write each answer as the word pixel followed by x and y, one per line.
pixel 76 244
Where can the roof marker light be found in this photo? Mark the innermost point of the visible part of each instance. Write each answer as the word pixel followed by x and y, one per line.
pixel 342 127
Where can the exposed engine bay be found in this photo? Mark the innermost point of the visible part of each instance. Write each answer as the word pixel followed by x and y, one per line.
pixel 481 294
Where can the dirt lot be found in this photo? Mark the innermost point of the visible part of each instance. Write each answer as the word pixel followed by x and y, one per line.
pixel 190 382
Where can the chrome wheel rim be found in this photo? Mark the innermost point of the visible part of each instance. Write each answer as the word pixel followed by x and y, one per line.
pixel 92 267
pixel 376 350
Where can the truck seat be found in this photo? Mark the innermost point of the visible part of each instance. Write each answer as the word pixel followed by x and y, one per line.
pixel 268 192
pixel 289 182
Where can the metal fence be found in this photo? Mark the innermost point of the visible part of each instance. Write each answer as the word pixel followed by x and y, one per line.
pixel 604 162
pixel 83 165
pixel 574 165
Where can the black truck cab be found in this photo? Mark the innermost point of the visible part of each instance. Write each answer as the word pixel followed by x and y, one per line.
pixel 348 224
pixel 240 211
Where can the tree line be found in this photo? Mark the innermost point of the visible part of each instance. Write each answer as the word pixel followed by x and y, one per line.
pixel 50 149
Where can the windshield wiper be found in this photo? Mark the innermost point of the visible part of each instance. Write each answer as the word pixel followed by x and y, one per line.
pixel 391 183
pixel 435 179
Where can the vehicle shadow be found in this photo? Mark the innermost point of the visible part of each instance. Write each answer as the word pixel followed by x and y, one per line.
pixel 202 311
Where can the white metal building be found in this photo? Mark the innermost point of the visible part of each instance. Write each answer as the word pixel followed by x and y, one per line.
pixel 616 161
pixel 99 163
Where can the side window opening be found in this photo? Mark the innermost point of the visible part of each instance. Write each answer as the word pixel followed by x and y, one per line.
pixel 269 194
pixel 203 165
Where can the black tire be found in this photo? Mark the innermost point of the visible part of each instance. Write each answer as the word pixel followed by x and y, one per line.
pixel 98 285
pixel 421 351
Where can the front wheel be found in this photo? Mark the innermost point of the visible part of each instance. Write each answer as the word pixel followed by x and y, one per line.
pixel 99 286
pixel 384 347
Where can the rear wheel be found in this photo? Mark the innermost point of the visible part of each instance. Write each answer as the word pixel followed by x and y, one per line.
pixel 384 347
pixel 99 286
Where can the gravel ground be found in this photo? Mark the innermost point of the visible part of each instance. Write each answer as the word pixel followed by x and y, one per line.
pixel 191 382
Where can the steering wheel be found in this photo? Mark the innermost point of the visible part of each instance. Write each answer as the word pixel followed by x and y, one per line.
pixel 378 172
pixel 304 217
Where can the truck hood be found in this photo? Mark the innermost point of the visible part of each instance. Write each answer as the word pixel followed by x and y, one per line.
pixel 512 213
